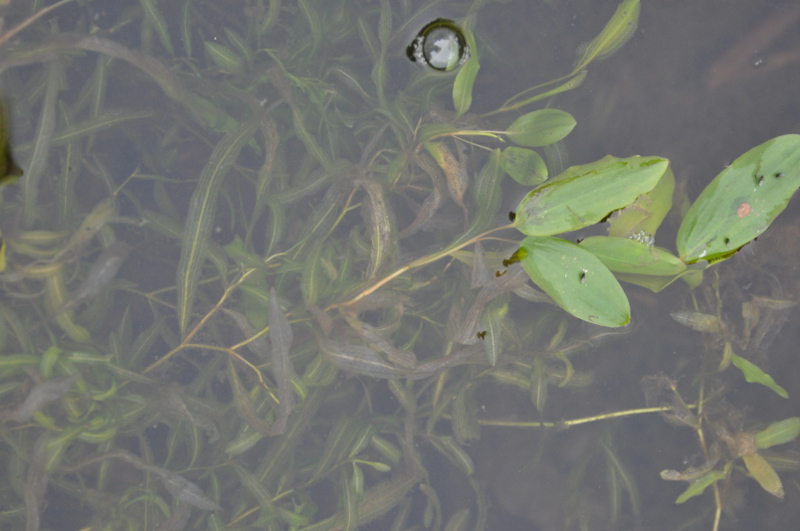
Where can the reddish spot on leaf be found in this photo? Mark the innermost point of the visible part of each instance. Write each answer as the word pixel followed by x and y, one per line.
pixel 743 210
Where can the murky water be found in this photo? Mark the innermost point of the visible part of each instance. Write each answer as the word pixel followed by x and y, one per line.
pixel 699 83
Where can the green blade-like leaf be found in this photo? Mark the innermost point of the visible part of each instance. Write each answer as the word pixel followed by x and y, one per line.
pixel 576 280
pixel 201 216
pixel 541 128
pixel 697 486
pixel 742 201
pixel 584 195
pixel 465 79
pixel 780 432
pixel 753 374
pixel 155 18
pixel 615 34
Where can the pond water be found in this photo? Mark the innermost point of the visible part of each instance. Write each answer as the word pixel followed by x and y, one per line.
pixel 313 326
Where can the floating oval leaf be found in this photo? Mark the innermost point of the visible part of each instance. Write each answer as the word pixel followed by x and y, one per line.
pixel 541 128
pixel 584 195
pixel 524 165
pixel 742 201
pixel 576 280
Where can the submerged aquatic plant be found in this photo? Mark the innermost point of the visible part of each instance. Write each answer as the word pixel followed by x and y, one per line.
pixel 312 279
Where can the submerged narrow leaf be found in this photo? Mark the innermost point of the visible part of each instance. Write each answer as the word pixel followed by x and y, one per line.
pixel 753 374
pixel 43 394
pixel 465 79
pixel 778 433
pixel 615 34
pixel 281 338
pixel 202 208
pixel 699 485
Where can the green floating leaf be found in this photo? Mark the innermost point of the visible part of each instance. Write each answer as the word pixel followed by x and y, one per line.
pixel 615 34
pixel 584 195
pixel 753 374
pixel 699 485
pixel 742 201
pixel 465 79
pixel 778 433
pixel 541 128
pixel 576 280
pixel 524 166
pixel 636 262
